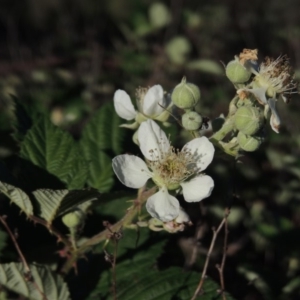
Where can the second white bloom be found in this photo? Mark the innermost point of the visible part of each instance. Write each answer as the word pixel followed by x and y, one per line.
pixel 169 168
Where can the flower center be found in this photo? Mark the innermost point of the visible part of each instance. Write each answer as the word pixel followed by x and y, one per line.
pixel 276 76
pixel 173 167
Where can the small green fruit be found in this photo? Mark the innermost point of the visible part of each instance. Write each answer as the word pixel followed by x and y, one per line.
pixel 248 119
pixel 236 72
pixel 191 120
pixel 186 95
pixel 73 219
pixel 248 143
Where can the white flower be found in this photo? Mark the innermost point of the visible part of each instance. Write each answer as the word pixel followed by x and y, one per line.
pixel 151 104
pixel 169 168
pixel 274 79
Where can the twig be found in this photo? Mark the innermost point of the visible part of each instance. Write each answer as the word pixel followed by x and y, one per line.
pixel 53 230
pixel 211 247
pixel 114 270
pixel 100 237
pixel 28 275
pixel 221 267
pixel 115 237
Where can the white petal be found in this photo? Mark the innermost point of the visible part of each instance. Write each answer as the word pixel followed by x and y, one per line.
pixel 274 120
pixel 163 206
pixel 259 94
pixel 183 217
pixel 202 150
pixel 197 188
pixel 123 105
pixel 131 170
pixel 153 141
pixel 153 98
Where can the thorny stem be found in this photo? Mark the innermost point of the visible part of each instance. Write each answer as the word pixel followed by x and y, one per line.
pixel 96 239
pixel 114 270
pixel 222 266
pixel 28 275
pixel 52 229
pixel 211 247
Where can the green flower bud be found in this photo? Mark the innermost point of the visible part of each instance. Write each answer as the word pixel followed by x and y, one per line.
pixel 191 120
pixel 248 119
pixel 186 95
pixel 248 143
pixel 236 72
pixel 73 219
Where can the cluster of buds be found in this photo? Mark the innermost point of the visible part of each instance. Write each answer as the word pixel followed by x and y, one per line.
pixel 186 96
pixel 175 171
pixel 176 225
pixel 258 89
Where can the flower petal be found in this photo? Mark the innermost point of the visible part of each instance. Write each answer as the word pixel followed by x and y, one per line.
pixel 183 217
pixel 153 98
pixel 163 206
pixel 198 188
pixel 202 150
pixel 153 141
pixel 123 105
pixel 259 94
pixel 131 170
pixel 274 120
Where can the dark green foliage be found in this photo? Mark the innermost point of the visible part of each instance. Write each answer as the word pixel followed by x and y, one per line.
pixel 101 140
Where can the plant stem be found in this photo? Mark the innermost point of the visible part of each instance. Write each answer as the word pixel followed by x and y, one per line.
pixel 212 244
pixel 28 275
pixel 222 266
pixel 96 239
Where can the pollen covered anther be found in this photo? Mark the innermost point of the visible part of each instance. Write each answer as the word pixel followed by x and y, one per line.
pixel 173 167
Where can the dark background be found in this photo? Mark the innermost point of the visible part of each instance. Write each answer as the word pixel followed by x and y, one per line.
pixel 66 58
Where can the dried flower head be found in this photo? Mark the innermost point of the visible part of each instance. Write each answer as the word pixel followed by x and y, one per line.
pixel 277 77
pixel 248 54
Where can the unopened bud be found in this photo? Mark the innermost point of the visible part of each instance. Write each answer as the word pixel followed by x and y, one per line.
pixel 248 143
pixel 186 95
pixel 236 72
pixel 73 219
pixel 191 120
pixel 248 119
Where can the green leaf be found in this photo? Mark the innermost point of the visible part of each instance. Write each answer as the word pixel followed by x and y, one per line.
pixel 12 276
pixel 18 197
pixel 54 150
pixel 115 204
pixel 101 139
pixel 54 203
pixel 138 278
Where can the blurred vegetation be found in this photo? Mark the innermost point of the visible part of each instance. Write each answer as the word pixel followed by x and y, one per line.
pixel 66 59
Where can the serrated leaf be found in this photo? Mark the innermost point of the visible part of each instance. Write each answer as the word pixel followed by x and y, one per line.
pixel 138 278
pixel 49 202
pixel 101 136
pixel 78 198
pixel 54 150
pixel 115 204
pixel 104 129
pixel 54 203
pixel 18 197
pixel 51 285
